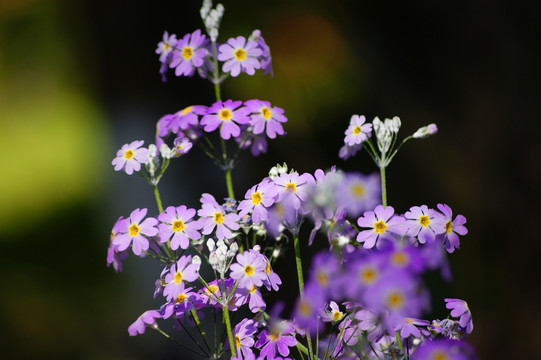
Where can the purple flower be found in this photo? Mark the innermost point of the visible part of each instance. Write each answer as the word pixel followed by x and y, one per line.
pixel 212 215
pixel 182 303
pixel 165 47
pixel 190 54
pixel 182 146
pixel 249 270
pixel 278 337
pixel 358 193
pixel 382 222
pixel 224 114
pixel 266 60
pixel 177 226
pixel 309 307
pixel 459 309
pixel 135 231
pixel 184 270
pixel 114 257
pixel 251 296
pixel 294 187
pixel 187 118
pixel 348 151
pixel 266 117
pixel 424 223
pixel 408 327
pixel 244 341
pixel 453 228
pixel 333 315
pixel 130 157
pixel 240 55
pixel 444 349
pixel 258 199
pixel 357 131
pixel 146 319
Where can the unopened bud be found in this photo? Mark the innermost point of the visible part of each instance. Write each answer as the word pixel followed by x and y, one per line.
pixel 425 131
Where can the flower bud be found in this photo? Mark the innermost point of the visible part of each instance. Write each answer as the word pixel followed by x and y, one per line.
pixel 425 131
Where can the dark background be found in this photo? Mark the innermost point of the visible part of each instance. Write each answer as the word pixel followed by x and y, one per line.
pixel 80 78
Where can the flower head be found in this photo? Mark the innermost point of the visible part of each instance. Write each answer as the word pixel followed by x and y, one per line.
pixel 459 309
pixel 424 223
pixel 240 55
pixel 357 131
pixel 227 115
pixel 266 117
pixel 148 318
pixel 130 157
pixel 135 231
pixel 189 53
pixel 453 228
pixel 382 223
pixel 177 225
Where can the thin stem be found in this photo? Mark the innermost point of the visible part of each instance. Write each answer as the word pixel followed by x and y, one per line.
pixel 398 341
pixel 201 331
pixel 299 265
pixel 158 200
pixel 178 342
pixel 383 187
pixel 229 333
pixel 229 184
pixel 216 79
pixel 191 337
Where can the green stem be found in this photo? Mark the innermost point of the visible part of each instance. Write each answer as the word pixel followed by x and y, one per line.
pixel 198 324
pixel 178 342
pixel 229 184
pixel 216 73
pixel 398 341
pixel 299 265
pixel 232 344
pixel 158 200
pixel 383 187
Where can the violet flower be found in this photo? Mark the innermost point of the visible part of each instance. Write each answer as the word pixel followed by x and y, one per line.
pixel 134 231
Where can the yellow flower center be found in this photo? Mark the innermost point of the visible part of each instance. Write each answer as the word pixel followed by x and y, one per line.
pixel 165 46
pixel 134 229
pixel 267 268
pixel 305 309
pixel 253 289
pixel 400 258
pixel 274 335
pixel 448 227
pixel 358 190
pixel 356 130
pixel 128 154
pixel 379 227
pixel 187 53
pixel 423 220
pixel 178 226
pixel 248 270
pixel 395 300
pixel 225 115
pixel 266 113
pixel 211 289
pixel 369 275
pixel 291 187
pixel 439 355
pixel 256 198
pixel 322 278
pixel 336 315
pixel 178 277
pixel 180 298
pixel 186 111
pixel 240 54
pixel 218 218
pixel 237 341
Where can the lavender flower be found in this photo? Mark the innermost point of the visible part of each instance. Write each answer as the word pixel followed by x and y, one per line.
pixel 177 226
pixel 190 54
pixel 134 231
pixel 244 341
pixel 249 270
pixel 459 309
pixel 453 228
pixel 444 349
pixel 383 224
pixel 258 199
pixel 424 223
pixel 279 338
pixel 240 55
pixel 184 270
pixel 266 117
pixel 408 327
pixel 294 187
pixel 357 131
pixel 214 216
pixel 228 115
pixel 148 318
pixel 358 193
pixel 165 47
pixel 130 157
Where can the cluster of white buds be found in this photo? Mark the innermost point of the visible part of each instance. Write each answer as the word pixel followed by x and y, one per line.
pixel 385 132
pixel 425 131
pixel 277 171
pixel 152 163
pixel 166 152
pixel 221 255
pixel 212 18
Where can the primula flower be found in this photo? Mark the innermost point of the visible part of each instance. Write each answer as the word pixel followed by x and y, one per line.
pixel 453 228
pixel 266 117
pixel 187 118
pixel 332 315
pixel 445 349
pixel 180 304
pixel 184 270
pixel 135 231
pixel 148 318
pixel 258 199
pixel 408 327
pixel 278 337
pixel 212 215
pixel 249 270
pixel 424 223
pixel 240 55
pixel 114 257
pixel 244 341
pixel 459 309
pixel 130 157
pixel 177 226
pixel 224 114
pixel 358 193
pixel 294 187
pixel 181 146
pixel 266 59
pixel 251 296
pixel 357 131
pixel 309 307
pixel 190 54
pixel 383 224
pixel 165 47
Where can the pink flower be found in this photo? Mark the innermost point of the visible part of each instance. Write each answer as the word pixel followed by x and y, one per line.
pixel 130 157
pixel 135 231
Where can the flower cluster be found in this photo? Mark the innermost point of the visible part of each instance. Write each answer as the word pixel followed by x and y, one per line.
pixel 364 297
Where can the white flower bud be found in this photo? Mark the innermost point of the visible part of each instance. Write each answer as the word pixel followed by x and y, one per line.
pixel 196 260
pixel 393 124
pixel 211 245
pixel 425 131
pixel 207 4
pixel 165 151
pixel 152 151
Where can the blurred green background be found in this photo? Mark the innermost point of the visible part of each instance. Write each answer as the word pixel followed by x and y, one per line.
pixel 78 79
